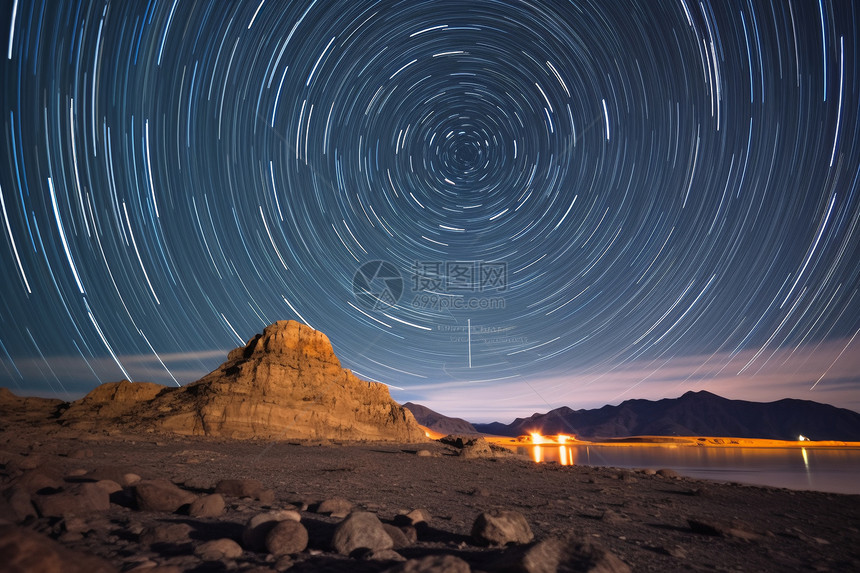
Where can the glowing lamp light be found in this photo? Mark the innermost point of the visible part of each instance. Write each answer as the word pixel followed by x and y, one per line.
pixel 802 438
pixel 537 438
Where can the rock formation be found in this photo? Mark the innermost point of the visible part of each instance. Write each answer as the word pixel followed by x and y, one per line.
pixel 110 403
pixel 15 409
pixel 286 383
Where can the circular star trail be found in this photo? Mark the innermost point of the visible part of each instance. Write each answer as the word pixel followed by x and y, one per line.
pixel 581 198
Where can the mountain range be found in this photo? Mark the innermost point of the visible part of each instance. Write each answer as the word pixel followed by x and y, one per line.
pixel 692 414
pixel 439 422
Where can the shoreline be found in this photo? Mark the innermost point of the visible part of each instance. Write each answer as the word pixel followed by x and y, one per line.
pixel 650 520
pixel 680 441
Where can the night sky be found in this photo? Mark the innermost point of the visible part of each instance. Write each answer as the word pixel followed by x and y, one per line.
pixel 495 207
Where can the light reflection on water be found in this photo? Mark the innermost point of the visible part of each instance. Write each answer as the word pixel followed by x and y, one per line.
pixel 824 469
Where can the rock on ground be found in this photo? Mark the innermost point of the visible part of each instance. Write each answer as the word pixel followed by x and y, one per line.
pixel 207 506
pixel 166 533
pixel 501 527
pixel 240 488
pixel 79 498
pixel 401 536
pixel 161 495
pixel 361 530
pixel 419 515
pixel 25 551
pixel 433 564
pixel 259 526
pixel 335 506
pixel 567 554
pixel 286 538
pixel 18 504
pixel 723 529
pixel 218 549
pixel 384 555
pixel 34 480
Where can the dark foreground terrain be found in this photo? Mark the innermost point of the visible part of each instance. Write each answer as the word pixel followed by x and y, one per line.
pixel 82 491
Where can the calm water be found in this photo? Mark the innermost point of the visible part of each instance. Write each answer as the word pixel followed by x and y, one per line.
pixel 833 470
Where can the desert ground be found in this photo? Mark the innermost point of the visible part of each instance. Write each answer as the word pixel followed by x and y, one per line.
pixel 599 519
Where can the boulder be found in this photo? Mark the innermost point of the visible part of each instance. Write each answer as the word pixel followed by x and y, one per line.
pixel 401 536
pixel 432 564
pixel 478 448
pixel 383 555
pixel 29 461
pixel 286 538
pixel 108 486
pixel 123 475
pixel 259 526
pixel 722 529
pixel 335 506
pixel 218 549
pixel 565 554
pixel 37 480
pixel 475 447
pixel 417 516
pixel 161 495
pixel 240 488
pixel 75 524
pixel 80 453
pixel 207 506
pixel 175 533
pixel 19 503
pixel 76 499
pixel 501 527
pixel 361 530
pixel 25 551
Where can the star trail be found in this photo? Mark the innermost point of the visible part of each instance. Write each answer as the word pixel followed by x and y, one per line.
pixel 562 202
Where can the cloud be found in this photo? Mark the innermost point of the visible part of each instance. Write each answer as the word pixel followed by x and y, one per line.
pixel 70 377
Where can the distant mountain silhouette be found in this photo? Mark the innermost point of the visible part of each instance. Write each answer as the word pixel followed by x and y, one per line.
pixel 693 414
pixel 439 422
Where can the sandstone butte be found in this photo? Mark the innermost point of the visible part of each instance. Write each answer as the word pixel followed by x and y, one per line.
pixel 285 384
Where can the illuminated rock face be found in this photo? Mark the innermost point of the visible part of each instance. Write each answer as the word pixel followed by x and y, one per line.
pixel 286 383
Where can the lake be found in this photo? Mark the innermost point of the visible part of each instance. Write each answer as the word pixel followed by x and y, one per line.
pixel 834 470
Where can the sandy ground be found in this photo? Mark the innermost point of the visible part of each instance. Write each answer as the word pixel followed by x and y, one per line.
pixel 651 522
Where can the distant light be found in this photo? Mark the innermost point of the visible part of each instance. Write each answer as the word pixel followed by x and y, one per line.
pixel 802 438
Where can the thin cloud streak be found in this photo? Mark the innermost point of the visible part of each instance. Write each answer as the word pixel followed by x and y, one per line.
pixel 788 373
